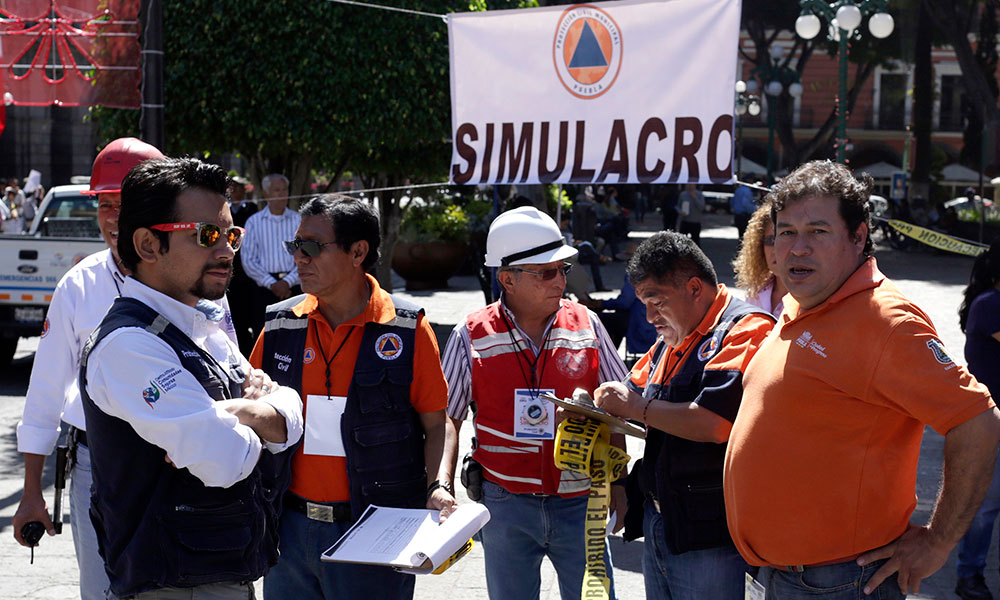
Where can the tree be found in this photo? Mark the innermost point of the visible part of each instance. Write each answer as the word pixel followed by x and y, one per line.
pixel 314 84
pixel 764 20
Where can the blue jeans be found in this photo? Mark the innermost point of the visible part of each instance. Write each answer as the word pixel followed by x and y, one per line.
pixel 840 581
pixel 300 575
pixel 975 545
pixel 93 578
pixel 524 528
pixel 717 573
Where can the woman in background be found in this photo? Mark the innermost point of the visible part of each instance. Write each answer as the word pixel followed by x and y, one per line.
pixel 754 263
pixel 979 318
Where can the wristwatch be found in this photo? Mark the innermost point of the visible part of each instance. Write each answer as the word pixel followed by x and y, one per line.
pixel 445 485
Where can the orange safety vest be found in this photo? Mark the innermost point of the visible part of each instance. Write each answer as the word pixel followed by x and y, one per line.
pixel 502 363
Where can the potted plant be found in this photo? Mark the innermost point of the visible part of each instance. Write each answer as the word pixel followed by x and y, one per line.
pixel 433 242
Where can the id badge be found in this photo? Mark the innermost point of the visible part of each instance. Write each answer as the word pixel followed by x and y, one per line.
pixel 323 414
pixel 534 417
pixel 753 589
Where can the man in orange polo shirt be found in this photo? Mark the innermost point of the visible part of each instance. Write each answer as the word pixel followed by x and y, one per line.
pixel 687 390
pixel 366 365
pixel 821 466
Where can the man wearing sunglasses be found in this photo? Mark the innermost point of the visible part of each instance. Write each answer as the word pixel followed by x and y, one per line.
pixel 499 360
pixel 185 437
pixel 367 366
pixel 687 390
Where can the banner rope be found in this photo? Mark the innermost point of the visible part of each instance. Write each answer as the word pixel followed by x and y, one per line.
pixel 393 8
pixel 584 445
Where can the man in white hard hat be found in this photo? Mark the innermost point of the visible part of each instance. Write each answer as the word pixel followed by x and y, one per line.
pixel 499 359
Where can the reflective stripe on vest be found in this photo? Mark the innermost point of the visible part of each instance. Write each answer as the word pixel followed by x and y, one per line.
pixel 569 361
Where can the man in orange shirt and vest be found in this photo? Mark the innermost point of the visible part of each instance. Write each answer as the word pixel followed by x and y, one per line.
pixel 498 360
pixel 367 367
pixel 687 390
pixel 821 466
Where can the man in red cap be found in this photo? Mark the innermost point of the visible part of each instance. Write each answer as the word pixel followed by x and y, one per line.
pixel 78 304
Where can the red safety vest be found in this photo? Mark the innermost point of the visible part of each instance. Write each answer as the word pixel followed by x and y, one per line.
pixel 500 365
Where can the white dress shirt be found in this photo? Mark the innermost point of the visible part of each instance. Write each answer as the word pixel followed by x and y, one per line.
pixel 183 419
pixel 79 303
pixel 263 251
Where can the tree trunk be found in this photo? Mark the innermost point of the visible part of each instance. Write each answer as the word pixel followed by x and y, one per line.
pixel 951 18
pixel 822 136
pixel 390 217
pixel 923 106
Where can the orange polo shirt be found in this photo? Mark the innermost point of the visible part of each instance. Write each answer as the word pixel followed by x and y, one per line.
pixel 822 459
pixel 324 478
pixel 738 347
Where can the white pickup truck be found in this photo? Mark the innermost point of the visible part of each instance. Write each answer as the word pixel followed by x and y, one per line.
pixel 63 233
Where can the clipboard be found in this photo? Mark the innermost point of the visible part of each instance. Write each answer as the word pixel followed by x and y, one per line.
pixel 582 403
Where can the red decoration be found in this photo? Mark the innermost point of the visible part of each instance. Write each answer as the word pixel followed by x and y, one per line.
pixel 71 52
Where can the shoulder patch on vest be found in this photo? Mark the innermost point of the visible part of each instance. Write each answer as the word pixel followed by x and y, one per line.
pixel 708 348
pixel 940 354
pixel 389 346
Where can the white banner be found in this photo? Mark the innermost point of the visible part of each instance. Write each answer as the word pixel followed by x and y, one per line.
pixel 616 92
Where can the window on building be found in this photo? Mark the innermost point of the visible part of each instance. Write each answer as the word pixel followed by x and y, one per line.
pixel 892 101
pixel 951 93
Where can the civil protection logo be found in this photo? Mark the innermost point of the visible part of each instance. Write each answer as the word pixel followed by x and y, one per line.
pixel 151 394
pixel 388 346
pixel 45 328
pixel 587 51
pixel 940 354
pixel 707 349
pixel 308 355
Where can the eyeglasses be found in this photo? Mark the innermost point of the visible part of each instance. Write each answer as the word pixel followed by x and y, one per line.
pixel 310 248
pixel 208 233
pixel 547 274
pixel 768 240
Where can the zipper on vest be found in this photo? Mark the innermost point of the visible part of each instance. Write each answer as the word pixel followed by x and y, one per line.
pixel 226 508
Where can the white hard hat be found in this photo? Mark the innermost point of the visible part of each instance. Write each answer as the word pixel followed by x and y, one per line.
pixel 525 236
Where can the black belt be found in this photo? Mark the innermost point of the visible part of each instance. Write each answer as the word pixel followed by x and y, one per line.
pixel 79 437
pixel 334 512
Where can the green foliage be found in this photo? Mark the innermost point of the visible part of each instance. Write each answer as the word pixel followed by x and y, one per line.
pixel 972 215
pixel 315 81
pixel 553 194
pixel 435 221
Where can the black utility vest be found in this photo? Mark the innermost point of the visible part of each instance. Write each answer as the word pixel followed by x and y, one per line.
pixel 683 475
pixel 382 434
pixel 158 526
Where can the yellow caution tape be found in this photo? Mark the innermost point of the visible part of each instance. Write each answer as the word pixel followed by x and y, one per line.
pixel 584 446
pixel 936 239
pixel 465 549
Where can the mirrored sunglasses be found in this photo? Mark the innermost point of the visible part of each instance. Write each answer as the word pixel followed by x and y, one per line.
pixel 310 248
pixel 208 233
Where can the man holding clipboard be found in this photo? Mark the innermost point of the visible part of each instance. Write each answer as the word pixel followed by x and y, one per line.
pixel 366 365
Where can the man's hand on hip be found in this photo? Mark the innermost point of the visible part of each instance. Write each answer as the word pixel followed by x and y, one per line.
pixel 915 555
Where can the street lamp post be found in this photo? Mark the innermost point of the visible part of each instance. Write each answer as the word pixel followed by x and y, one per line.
pixel 776 77
pixel 844 18
pixel 746 102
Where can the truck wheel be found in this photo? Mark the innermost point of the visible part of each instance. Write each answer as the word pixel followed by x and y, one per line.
pixel 8 345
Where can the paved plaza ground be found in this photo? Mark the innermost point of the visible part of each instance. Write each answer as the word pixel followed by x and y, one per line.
pixel 933 280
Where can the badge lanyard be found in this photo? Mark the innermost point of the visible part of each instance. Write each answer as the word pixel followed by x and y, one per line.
pixel 533 387
pixel 332 358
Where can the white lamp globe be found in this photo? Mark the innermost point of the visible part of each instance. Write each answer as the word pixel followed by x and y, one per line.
pixel 834 30
pixel 795 90
pixel 774 88
pixel 807 26
pixel 849 17
pixel 881 25
pixel 776 52
pixel 741 109
pixel 753 109
pixel 752 86
pixel 741 86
